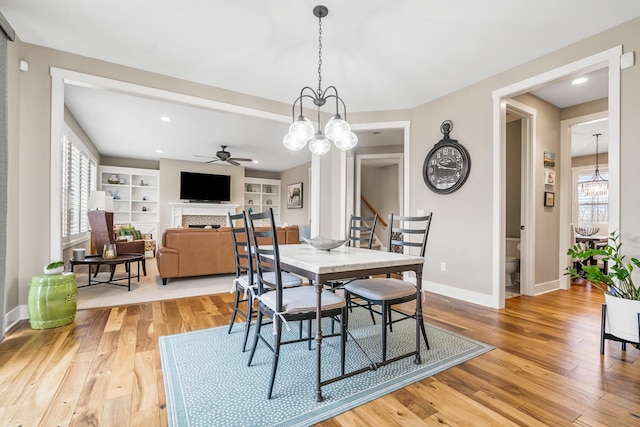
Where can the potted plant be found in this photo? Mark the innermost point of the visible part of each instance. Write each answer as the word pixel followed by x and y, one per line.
pixel 56 267
pixel 622 295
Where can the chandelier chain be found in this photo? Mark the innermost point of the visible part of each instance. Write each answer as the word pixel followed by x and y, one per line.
pixel 320 56
pixel 597 135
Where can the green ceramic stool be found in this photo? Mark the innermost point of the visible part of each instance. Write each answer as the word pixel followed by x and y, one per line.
pixel 52 300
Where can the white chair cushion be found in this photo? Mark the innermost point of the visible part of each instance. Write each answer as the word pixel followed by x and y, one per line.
pixel 302 300
pixel 243 281
pixel 288 280
pixel 381 289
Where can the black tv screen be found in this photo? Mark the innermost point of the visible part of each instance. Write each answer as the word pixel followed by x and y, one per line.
pixel 205 187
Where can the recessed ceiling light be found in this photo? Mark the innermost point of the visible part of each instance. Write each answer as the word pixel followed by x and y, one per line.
pixel 256 161
pixel 579 80
pixel 165 119
pixel 158 151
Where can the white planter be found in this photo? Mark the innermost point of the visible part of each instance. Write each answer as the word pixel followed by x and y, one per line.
pixel 622 318
pixel 57 270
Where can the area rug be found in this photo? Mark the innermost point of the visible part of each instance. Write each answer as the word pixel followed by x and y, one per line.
pixel 207 381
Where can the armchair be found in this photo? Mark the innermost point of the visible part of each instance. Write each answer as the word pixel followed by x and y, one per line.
pixel 101 224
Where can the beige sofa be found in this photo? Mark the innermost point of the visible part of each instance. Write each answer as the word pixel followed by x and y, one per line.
pixel 186 252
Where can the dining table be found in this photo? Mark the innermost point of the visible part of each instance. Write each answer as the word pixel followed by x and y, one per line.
pixel 593 240
pixel 344 262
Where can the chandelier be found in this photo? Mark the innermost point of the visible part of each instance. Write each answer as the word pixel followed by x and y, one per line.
pixel 596 185
pixel 337 129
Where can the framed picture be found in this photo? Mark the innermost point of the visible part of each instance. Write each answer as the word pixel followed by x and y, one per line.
pixel 550 159
pixel 549 198
pixel 549 177
pixel 294 196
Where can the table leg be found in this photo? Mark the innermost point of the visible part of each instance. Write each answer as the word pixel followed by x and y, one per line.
pixel 318 286
pixel 417 360
pixel 128 276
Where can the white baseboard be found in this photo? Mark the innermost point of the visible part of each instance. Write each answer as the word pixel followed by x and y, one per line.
pixel 14 316
pixel 457 293
pixel 543 288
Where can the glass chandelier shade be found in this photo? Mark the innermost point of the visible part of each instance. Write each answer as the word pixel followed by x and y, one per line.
pixel 320 144
pixel 336 129
pixel 596 185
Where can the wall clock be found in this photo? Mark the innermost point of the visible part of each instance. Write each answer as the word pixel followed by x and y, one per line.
pixel 447 165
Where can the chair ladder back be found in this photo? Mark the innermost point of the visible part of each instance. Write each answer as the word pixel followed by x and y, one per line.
pixel 360 231
pixel 241 246
pixel 267 255
pixel 397 232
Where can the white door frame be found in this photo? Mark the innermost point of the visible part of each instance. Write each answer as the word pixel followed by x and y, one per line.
pixel 396 158
pixel 348 180
pixel 566 185
pixel 610 58
pixel 528 116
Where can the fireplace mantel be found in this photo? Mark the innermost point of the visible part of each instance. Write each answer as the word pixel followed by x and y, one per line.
pixel 178 210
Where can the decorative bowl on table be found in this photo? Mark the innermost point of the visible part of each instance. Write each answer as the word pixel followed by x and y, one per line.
pixel 324 243
pixel 587 231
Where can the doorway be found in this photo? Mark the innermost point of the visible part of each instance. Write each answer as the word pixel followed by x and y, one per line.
pixel 609 59
pixel 379 188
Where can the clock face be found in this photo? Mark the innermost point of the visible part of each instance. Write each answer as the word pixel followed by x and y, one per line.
pixel 446 167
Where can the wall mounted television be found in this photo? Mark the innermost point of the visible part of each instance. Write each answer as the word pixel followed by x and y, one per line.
pixel 205 187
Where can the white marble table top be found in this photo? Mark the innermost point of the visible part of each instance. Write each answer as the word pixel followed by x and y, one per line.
pixel 343 259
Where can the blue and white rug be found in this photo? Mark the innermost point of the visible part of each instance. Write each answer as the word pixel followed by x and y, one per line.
pixel 207 381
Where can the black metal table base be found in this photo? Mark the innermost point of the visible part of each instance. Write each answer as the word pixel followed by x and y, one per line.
pixel 112 281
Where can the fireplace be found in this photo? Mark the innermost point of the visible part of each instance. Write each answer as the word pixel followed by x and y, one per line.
pixel 185 214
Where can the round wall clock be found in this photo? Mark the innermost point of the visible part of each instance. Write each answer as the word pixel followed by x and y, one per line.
pixel 447 166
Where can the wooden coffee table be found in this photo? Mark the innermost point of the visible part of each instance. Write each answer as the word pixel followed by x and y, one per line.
pixel 98 260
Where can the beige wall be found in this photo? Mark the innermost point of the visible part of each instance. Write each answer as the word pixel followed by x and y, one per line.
pixel 463 221
pixel 170 184
pixel 603 160
pixel 513 174
pixel 291 176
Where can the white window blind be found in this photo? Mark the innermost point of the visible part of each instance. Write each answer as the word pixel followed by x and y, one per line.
pixel 78 180
pixel 592 209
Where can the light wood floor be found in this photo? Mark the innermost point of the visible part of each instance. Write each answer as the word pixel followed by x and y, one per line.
pixel 546 369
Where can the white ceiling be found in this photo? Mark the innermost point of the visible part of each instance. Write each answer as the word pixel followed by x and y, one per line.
pixel 380 54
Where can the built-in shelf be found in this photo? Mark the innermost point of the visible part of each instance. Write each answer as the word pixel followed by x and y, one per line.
pixel 261 194
pixel 135 195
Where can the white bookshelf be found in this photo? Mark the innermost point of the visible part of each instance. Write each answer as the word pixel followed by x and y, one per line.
pixel 261 194
pixel 136 196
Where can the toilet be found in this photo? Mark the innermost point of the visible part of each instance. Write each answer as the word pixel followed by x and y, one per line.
pixel 512 260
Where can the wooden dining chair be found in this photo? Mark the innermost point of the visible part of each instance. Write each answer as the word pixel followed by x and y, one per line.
pixel 283 304
pixel 387 292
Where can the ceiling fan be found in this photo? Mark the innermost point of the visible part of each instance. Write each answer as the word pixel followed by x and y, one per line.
pixel 224 156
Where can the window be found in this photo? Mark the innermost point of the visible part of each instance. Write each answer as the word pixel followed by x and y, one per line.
pixel 79 171
pixel 591 210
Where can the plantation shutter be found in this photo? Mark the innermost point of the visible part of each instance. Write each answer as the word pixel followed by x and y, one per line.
pixel 79 179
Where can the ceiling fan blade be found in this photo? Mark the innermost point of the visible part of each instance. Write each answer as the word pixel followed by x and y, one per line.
pixel 238 159
pixel 233 162
pixel 214 160
pixel 208 157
